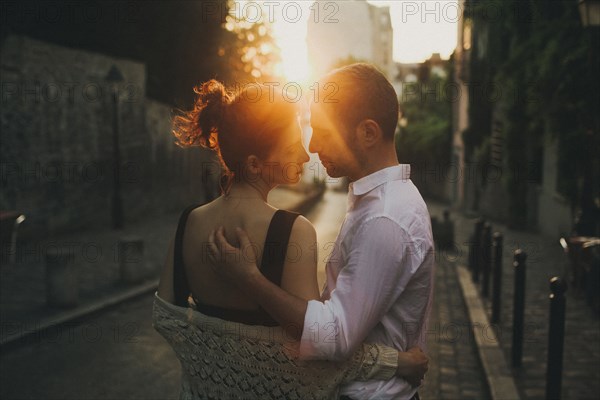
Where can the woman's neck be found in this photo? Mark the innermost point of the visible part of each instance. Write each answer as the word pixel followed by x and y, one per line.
pixel 249 191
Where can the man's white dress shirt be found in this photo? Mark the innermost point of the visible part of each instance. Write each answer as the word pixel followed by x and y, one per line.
pixel 379 279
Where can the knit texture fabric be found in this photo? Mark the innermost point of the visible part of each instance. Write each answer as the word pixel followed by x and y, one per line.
pixel 228 360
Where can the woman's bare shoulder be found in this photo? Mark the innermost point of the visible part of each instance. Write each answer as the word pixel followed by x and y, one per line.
pixel 303 229
pixel 300 269
pixel 205 210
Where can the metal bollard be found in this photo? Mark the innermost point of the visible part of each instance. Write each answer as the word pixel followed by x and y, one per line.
pixel 446 229
pixel 556 336
pixel 497 282
pixel 477 250
pixel 518 307
pixel 486 259
pixel 131 259
pixel 471 262
pixel 62 286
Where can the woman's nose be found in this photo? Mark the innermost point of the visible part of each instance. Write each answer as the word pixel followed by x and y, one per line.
pixel 305 156
pixel 312 145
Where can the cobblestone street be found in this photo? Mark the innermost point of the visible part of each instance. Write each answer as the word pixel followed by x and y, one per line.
pixel 455 371
pixel 581 365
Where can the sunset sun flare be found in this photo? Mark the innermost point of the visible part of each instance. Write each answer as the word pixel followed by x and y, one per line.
pixel 416 35
pixel 290 35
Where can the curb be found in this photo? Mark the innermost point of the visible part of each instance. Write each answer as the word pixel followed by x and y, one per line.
pixel 82 311
pixel 127 294
pixel 499 377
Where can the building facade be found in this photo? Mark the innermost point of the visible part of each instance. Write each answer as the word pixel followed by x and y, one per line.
pixel 350 30
pixel 460 117
pixel 517 162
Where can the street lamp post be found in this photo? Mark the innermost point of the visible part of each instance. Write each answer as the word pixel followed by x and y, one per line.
pixel 114 77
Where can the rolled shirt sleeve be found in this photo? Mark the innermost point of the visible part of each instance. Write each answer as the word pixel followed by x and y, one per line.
pixel 381 260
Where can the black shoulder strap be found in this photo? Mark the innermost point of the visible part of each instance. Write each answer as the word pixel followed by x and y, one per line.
pixel 180 284
pixel 276 243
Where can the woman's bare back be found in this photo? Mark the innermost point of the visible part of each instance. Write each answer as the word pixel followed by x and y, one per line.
pixel 254 216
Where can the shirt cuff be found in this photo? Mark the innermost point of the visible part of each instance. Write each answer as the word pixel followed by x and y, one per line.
pixel 309 343
pixel 385 360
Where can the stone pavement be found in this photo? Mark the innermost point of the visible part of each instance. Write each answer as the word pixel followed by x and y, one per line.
pixel 23 308
pixel 454 368
pixel 581 364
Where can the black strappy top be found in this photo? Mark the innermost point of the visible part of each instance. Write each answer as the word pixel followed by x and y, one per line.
pixel 273 259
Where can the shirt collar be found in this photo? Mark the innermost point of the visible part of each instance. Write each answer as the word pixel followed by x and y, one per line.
pixel 377 178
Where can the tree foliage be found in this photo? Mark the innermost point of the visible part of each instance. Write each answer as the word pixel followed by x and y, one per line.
pixel 425 141
pixel 181 42
pixel 248 49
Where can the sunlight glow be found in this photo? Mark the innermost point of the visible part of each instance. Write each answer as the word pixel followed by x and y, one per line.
pixel 420 29
pixel 289 31
pixel 429 28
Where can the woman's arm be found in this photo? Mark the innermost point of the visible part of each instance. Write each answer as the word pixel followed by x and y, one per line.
pixel 378 362
pixel 299 276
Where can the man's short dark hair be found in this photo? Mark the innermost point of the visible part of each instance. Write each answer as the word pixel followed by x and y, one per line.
pixel 363 92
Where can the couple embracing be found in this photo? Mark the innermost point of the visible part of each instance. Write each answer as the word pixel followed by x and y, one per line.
pixel 247 321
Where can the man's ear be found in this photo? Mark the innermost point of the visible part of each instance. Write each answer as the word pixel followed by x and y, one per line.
pixel 253 165
pixel 369 132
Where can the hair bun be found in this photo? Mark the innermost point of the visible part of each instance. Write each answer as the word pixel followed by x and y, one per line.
pixel 211 93
pixel 212 99
pixel 201 125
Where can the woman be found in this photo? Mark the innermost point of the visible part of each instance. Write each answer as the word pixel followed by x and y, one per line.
pixel 229 346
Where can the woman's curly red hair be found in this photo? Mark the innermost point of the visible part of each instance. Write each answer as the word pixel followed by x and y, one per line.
pixel 235 125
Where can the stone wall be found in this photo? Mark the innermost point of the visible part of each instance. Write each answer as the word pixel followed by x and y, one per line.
pixel 57 157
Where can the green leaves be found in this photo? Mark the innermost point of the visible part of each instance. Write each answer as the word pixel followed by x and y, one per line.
pixel 426 139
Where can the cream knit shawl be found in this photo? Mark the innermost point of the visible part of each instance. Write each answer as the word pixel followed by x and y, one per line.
pixel 228 360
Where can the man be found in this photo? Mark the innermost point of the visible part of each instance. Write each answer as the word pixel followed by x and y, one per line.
pixel 380 273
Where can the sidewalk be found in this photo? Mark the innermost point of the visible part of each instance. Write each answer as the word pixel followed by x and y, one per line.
pixel 581 364
pixel 454 368
pixel 23 310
